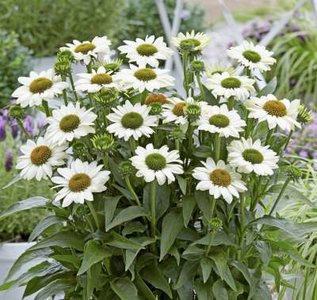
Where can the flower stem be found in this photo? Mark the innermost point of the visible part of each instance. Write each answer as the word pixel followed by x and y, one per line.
pixel 279 196
pixel 288 139
pixel 131 190
pixel 217 147
pixel 201 87
pixel 152 206
pixel 28 136
pixel 71 79
pixel 46 108
pixel 64 92
pixel 185 60
pixel 212 208
pixel 94 214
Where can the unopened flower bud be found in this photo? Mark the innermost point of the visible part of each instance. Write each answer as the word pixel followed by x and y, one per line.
pixel 16 112
pixel 107 96
pixel 304 115
pixel 198 66
pixel 177 134
pixel 193 111
pixel 126 168
pixel 156 109
pixel 215 224
pixel 103 142
pixel 294 173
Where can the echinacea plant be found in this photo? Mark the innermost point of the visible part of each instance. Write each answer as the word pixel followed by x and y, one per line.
pixel 159 194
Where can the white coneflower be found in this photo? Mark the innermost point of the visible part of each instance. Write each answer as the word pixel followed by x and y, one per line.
pixel 38 87
pixel 252 56
pixel 95 81
pixel 197 41
pixel 282 113
pixel 146 52
pixel 221 120
pixel 79 182
pixel 228 85
pixel 144 78
pixel 157 164
pixel 98 48
pixel 131 121
pixel 219 179
pixel 70 122
pixel 249 156
pixel 38 158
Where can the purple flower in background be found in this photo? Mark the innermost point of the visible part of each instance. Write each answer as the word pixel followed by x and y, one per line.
pixel 8 160
pixel 28 124
pixel 14 128
pixel 303 153
pixel 3 123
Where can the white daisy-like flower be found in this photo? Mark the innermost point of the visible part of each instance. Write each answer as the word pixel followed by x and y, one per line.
pixel 98 48
pixel 79 182
pixel 70 122
pixel 219 179
pixel 228 85
pixel 38 158
pixel 131 121
pixel 250 156
pixel 144 78
pixel 197 40
pixel 95 81
pixel 38 87
pixel 176 110
pixel 252 56
pixel 282 113
pixel 146 52
pixel 221 120
pixel 160 164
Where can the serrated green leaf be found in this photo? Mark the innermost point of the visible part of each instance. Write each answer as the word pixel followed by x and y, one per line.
pixel 62 239
pixel 124 288
pixel 189 204
pixel 127 214
pixel 34 202
pixel 93 253
pixel 44 224
pixel 171 226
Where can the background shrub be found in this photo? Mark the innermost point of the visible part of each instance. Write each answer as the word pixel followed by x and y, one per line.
pixel 14 62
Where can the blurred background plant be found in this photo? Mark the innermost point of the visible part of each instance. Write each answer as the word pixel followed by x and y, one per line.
pixel 15 61
pixel 18 227
pixel 142 18
pixel 301 206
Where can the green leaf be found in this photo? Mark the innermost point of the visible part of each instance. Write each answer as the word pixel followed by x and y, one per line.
pixel 124 288
pixel 203 291
pixel 24 205
pixel 269 88
pixel 220 260
pixel 154 276
pixel 247 275
pixel 219 290
pixel 206 267
pixel 143 288
pixel 182 184
pixel 62 239
pixel 215 239
pixel 127 214
pixel 93 253
pixel 44 224
pixel 117 240
pixel 189 204
pixel 187 274
pixel 25 257
pixel 70 261
pixel 55 287
pixel 203 202
pixel 171 226
pixel 110 208
pixel 294 230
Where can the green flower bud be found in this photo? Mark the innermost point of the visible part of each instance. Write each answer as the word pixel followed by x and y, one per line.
pixel 304 115
pixel 126 168
pixel 177 134
pixel 215 224
pixel 103 142
pixel 107 96
pixel 16 111
pixel 294 173
pixel 198 66
pixel 193 111
pixel 156 108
